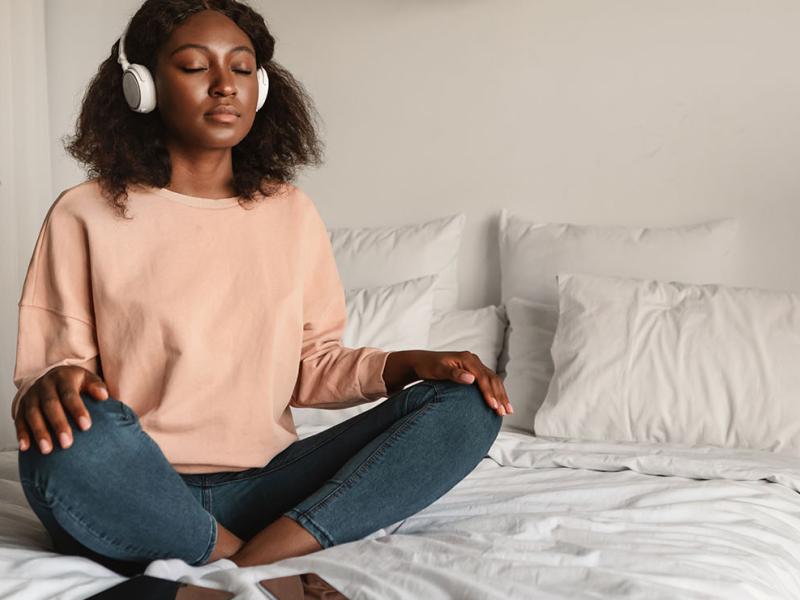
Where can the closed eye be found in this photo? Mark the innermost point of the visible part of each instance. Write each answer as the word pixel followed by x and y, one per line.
pixel 235 70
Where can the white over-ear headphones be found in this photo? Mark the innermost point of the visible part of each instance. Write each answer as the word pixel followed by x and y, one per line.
pixel 140 91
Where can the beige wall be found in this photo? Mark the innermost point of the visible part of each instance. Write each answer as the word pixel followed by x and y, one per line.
pixel 645 112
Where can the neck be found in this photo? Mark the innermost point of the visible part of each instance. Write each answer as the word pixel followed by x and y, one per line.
pixel 202 172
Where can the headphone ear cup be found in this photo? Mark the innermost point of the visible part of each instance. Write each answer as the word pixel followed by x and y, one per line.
pixel 139 89
pixel 263 87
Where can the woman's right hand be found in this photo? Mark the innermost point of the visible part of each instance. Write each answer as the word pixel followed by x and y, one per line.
pixel 54 391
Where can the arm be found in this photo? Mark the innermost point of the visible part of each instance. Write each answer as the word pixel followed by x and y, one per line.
pixel 56 321
pixel 330 375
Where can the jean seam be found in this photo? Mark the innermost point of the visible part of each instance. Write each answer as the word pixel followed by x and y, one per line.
pixel 69 511
pixel 357 472
pixel 212 542
pixel 315 529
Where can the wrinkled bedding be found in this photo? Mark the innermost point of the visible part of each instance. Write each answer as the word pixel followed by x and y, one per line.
pixel 536 518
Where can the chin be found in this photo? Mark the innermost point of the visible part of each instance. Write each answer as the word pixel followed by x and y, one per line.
pixel 223 140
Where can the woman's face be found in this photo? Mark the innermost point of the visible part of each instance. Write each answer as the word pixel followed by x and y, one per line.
pixel 207 61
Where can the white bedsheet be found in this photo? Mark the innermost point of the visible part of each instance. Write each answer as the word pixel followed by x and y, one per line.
pixel 538 519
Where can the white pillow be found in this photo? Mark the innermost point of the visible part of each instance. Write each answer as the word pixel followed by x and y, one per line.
pixel 531 328
pixel 531 254
pixel 479 330
pixel 649 361
pixel 392 317
pixel 370 257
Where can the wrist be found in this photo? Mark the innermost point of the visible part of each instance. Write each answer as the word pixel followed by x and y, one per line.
pixel 399 369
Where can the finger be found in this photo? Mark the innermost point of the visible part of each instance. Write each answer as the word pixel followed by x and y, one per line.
pixel 74 404
pixel 94 385
pixel 496 398
pixel 23 435
pixel 35 418
pixel 490 384
pixel 464 373
pixel 499 393
pixel 504 394
pixel 488 387
pixel 463 376
pixel 54 412
pixel 484 384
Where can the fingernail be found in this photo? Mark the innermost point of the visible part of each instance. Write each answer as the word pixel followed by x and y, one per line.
pixel 84 423
pixel 493 402
pixel 23 445
pixel 465 377
pixel 64 439
pixel 502 411
pixel 44 445
pixel 510 409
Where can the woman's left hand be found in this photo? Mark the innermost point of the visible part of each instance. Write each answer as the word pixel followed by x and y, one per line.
pixel 463 367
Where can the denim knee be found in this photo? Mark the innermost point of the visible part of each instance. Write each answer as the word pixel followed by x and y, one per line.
pixel 471 412
pixel 86 452
pixel 115 493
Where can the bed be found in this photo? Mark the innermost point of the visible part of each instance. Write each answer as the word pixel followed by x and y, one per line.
pixel 683 483
pixel 535 519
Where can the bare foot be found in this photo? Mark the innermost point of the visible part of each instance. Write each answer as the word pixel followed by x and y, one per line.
pixel 283 538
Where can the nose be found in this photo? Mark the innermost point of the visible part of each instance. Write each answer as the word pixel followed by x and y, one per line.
pixel 222 83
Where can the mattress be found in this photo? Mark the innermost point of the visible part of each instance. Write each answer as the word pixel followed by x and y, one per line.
pixel 536 518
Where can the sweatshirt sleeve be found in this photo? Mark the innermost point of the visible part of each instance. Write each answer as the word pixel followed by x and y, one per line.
pixel 331 375
pixel 56 324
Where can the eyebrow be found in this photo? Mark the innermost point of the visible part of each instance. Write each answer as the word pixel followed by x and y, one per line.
pixel 206 48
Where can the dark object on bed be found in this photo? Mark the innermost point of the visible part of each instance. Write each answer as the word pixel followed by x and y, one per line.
pixel 155 588
pixel 305 586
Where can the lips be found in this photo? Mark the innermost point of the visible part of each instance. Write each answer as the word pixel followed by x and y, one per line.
pixel 223 109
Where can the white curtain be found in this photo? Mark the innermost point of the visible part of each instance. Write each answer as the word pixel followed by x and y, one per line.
pixel 25 172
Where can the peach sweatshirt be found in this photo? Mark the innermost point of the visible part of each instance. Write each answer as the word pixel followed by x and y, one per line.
pixel 207 319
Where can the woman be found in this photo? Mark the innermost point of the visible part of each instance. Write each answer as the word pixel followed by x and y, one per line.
pixel 163 350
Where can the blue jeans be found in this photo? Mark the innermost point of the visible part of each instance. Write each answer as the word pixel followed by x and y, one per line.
pixel 113 496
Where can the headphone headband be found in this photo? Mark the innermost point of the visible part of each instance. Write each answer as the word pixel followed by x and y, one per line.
pixel 121 57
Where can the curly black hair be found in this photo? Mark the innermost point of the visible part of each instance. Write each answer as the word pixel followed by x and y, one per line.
pixel 120 147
